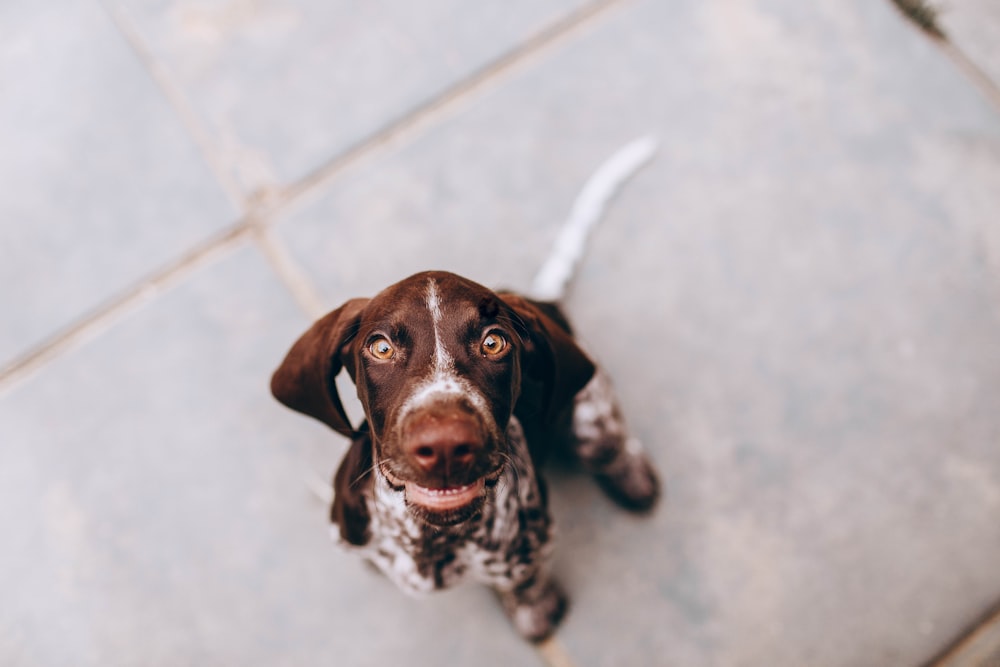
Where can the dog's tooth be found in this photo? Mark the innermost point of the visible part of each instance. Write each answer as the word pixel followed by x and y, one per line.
pixel 450 491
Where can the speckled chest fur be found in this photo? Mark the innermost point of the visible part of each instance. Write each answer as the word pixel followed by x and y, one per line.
pixel 502 546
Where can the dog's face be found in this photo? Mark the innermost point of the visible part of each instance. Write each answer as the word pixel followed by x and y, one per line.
pixel 438 362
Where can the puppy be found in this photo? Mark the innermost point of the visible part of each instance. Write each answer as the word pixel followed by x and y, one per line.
pixel 465 393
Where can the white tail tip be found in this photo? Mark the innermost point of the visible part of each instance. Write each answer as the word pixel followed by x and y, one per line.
pixel 554 276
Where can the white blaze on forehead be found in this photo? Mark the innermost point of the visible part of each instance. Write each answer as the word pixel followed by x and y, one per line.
pixel 442 360
pixel 443 379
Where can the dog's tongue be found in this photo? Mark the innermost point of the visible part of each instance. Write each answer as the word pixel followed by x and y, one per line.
pixel 444 499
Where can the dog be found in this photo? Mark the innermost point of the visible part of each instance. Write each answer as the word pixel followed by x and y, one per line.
pixel 466 392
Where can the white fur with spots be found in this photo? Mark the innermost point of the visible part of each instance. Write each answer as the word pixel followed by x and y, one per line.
pixel 505 546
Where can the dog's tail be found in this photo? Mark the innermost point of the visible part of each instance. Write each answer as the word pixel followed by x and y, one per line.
pixel 553 278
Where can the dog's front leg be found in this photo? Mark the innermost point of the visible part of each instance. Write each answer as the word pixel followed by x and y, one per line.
pixel 535 606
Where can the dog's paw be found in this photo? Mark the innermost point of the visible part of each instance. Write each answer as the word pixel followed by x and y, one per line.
pixel 537 613
pixel 633 483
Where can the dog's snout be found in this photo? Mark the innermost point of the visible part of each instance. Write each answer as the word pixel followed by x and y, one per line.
pixel 443 444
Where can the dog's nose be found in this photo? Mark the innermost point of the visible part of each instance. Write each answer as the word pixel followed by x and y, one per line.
pixel 443 445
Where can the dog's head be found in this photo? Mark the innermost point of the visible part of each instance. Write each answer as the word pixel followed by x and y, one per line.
pixel 439 363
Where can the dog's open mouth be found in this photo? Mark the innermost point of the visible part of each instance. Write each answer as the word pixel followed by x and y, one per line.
pixel 445 506
pixel 444 500
pixel 448 506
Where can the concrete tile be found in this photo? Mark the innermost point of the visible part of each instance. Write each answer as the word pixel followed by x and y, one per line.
pixel 285 85
pixel 101 184
pixel 796 299
pixel 155 511
pixel 974 26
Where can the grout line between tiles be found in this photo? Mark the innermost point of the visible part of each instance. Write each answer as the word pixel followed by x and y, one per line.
pixel 94 323
pixel 253 206
pixel 178 101
pixel 969 67
pixel 924 16
pixel 554 653
pixel 432 110
pixel 975 646
pixel 288 271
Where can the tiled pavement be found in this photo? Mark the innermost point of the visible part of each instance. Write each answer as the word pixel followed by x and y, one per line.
pixel 798 300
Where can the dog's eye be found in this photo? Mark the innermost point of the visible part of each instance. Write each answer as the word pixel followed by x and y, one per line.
pixel 382 349
pixel 493 345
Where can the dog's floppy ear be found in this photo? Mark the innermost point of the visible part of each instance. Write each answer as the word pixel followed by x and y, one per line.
pixel 305 379
pixel 551 356
pixel 349 510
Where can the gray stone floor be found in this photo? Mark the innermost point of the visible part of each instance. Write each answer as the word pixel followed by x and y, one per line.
pixel 798 300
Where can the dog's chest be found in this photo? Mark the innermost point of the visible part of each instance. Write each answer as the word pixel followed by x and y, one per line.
pixel 502 547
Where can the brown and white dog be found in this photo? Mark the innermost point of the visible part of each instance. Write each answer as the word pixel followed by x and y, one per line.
pixel 465 392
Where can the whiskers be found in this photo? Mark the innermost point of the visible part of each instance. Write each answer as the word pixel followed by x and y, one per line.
pixel 510 464
pixel 380 500
pixel 364 473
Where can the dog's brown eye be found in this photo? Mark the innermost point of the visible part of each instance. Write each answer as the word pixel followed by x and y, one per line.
pixel 382 349
pixel 493 345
